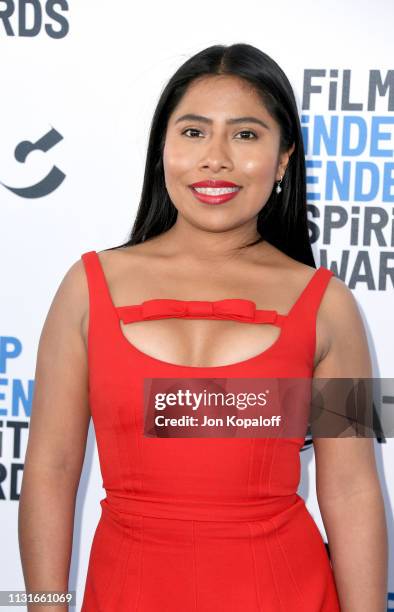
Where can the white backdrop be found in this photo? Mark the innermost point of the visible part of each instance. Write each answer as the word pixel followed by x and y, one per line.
pixel 88 75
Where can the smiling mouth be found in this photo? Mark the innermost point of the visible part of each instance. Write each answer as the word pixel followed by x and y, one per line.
pixel 214 191
pixel 215 195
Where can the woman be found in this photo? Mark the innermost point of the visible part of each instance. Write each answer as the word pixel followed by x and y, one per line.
pixel 194 523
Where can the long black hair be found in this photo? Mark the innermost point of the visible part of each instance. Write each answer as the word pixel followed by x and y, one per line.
pixel 282 221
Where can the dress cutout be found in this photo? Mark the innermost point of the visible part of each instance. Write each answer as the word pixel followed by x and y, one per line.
pixel 199 524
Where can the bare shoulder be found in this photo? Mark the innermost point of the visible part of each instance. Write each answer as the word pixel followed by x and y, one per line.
pixel 339 325
pixel 70 305
pixel 340 315
pixel 347 351
pixel 72 296
pixel 341 341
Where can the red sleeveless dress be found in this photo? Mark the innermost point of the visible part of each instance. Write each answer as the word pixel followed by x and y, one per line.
pixel 199 524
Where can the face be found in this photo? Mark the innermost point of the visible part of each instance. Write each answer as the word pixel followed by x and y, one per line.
pixel 245 152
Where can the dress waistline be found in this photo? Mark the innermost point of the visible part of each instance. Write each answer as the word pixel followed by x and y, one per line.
pixel 198 510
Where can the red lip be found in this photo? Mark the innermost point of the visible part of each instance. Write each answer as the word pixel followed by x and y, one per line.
pixel 213 183
pixel 214 199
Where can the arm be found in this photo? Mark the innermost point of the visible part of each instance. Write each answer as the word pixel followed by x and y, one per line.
pixel 57 440
pixel 347 483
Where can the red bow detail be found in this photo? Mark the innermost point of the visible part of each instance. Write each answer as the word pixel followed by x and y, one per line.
pixel 238 309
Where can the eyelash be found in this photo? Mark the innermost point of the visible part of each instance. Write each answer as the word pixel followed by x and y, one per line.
pixel 242 132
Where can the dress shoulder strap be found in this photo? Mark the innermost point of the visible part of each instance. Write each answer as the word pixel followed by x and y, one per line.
pixel 310 298
pixel 102 313
pixel 96 280
pixel 302 318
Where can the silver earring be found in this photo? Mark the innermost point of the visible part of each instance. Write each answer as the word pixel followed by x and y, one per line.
pixel 278 187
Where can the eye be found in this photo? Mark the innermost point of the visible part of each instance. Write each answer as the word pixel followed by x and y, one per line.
pixel 191 130
pixel 248 132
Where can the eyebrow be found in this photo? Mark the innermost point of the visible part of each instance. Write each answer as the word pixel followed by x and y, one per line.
pixel 193 117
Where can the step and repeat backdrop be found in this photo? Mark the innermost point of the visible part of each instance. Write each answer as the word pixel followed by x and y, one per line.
pixel 80 81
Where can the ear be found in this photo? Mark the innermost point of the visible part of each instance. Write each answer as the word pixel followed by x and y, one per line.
pixel 283 161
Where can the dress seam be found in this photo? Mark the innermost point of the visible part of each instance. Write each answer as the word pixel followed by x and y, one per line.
pixel 137 602
pixel 119 454
pixel 271 466
pixel 272 569
pixel 194 566
pixel 251 451
pixel 287 564
pixel 130 548
pixel 254 568
pixel 111 579
pixel 260 481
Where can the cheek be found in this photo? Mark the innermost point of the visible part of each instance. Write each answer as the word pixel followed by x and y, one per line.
pixel 262 167
pixel 175 161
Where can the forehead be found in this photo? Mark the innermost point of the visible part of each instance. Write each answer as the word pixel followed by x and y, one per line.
pixel 221 95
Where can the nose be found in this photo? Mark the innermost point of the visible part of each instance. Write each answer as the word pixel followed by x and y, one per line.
pixel 216 154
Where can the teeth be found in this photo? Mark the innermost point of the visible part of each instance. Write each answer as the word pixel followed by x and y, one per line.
pixel 215 190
